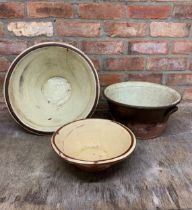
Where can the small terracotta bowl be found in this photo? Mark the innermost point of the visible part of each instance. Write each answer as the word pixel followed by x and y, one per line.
pixel 49 85
pixel 93 144
pixel 142 106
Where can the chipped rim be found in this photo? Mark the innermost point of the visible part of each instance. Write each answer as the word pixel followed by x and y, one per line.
pixel 25 52
pixel 98 162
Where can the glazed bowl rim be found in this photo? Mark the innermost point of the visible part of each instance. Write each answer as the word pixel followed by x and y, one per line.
pixel 98 162
pixel 25 52
pixel 143 107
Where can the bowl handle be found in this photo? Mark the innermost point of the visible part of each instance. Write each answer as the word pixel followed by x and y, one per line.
pixel 171 111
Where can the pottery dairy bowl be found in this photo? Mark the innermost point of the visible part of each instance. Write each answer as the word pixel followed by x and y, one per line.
pixel 49 85
pixel 93 144
pixel 142 106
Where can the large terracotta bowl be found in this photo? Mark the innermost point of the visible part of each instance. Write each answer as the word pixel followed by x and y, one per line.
pixel 142 106
pixel 49 85
pixel 93 144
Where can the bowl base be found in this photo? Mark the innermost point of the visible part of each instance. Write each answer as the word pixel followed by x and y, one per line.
pixel 147 131
pixel 144 131
pixel 92 168
pixel 57 90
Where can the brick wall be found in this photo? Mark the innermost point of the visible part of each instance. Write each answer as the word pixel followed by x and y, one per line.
pixel 149 40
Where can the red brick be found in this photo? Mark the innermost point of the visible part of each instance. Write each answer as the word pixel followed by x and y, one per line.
pixel 96 63
pixel 190 65
pixel 169 29
pixel 182 47
pixel 151 12
pixel 101 11
pixel 148 47
pixel 2 78
pixel 67 41
pixel 160 64
pixel 1 30
pixel 73 28
pixel 11 10
pixel 183 11
pixel 126 63
pixel 103 47
pixel 125 29
pixel 179 79
pixel 49 9
pixel 156 78
pixel 1 94
pixel 12 47
pixel 108 79
pixel 4 64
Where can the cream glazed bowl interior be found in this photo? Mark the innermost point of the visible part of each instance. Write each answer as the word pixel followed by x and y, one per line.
pixel 49 85
pixel 93 144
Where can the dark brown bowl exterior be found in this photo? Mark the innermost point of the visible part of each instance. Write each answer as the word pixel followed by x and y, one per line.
pixel 94 167
pixel 145 123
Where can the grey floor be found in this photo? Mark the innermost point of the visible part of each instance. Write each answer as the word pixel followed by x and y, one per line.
pixel 158 175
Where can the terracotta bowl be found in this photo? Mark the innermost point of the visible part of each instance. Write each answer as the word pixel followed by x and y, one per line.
pixel 142 106
pixel 93 144
pixel 49 85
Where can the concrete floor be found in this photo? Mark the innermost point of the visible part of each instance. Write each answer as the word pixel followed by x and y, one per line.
pixel 158 175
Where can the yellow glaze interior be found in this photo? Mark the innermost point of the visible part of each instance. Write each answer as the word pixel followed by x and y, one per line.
pixel 93 140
